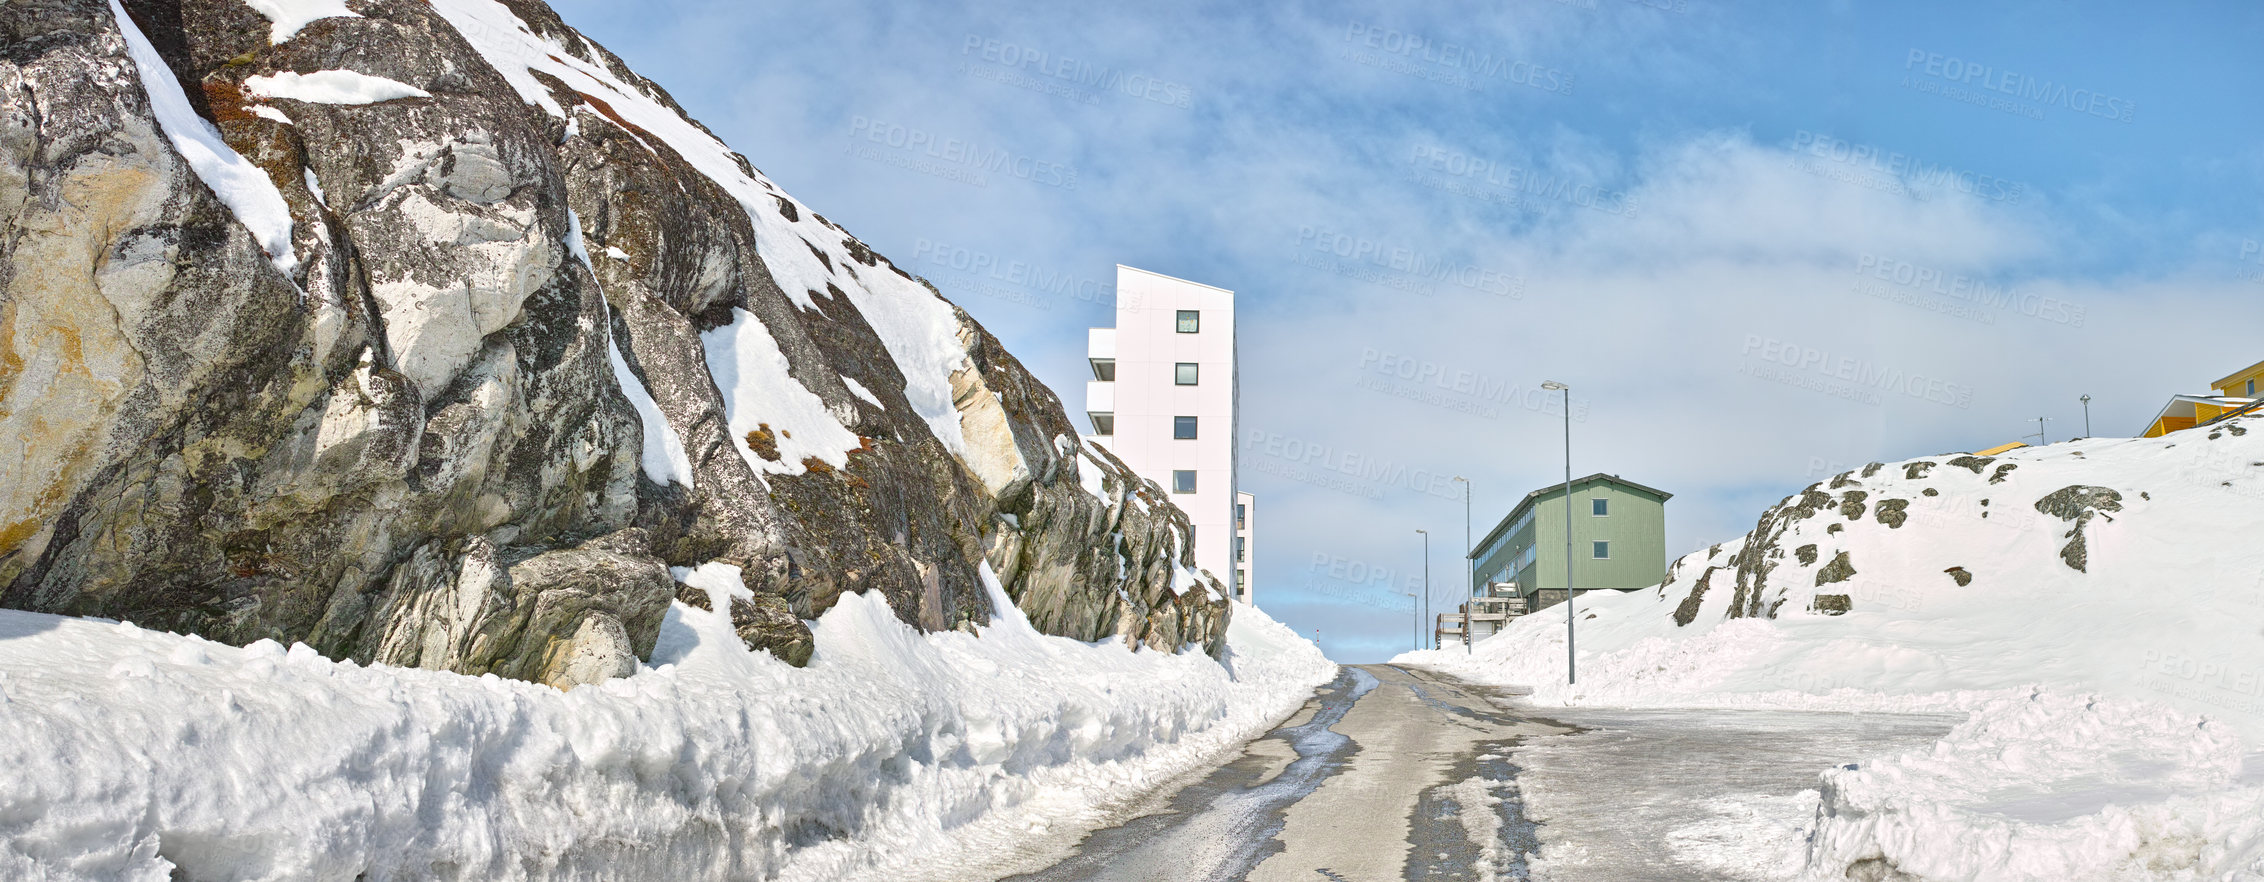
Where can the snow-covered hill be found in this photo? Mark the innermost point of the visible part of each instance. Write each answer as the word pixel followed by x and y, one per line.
pixel 2096 605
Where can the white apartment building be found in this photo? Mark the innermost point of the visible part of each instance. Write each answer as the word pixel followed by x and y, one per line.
pixel 1163 398
pixel 1245 524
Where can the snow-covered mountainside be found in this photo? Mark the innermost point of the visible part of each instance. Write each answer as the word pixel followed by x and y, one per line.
pixel 2094 605
pixel 134 754
pixel 430 334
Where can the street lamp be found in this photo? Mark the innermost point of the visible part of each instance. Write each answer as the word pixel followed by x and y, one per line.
pixel 2086 399
pixel 1426 613
pixel 1469 572
pixel 1570 659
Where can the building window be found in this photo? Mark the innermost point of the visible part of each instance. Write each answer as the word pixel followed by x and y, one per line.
pixel 1190 321
pixel 1183 428
pixel 1103 423
pixel 1599 507
pixel 1184 373
pixel 2252 388
pixel 1241 516
pixel 1238 558
pixel 1183 481
pixel 1603 550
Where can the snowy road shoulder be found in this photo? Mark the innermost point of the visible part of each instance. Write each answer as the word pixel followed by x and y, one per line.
pixel 136 754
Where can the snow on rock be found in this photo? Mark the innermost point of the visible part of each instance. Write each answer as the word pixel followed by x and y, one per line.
pixel 245 189
pixel 859 390
pixel 664 459
pixel 331 87
pixel 2091 604
pixel 761 399
pixel 805 254
pixel 291 15
pixel 135 754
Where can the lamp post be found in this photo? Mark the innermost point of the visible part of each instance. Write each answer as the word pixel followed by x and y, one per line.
pixel 2086 399
pixel 1571 660
pixel 1470 570
pixel 1425 615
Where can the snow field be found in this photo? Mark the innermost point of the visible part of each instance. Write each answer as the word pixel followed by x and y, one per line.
pixel 135 754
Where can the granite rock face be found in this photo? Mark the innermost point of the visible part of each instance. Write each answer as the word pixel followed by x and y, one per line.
pixel 539 337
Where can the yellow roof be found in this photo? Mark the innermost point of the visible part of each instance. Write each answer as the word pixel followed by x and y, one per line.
pixel 1993 451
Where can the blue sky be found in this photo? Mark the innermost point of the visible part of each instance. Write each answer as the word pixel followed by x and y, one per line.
pixel 1764 242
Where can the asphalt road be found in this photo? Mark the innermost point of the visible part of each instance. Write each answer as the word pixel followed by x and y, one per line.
pixel 1388 773
pixel 1401 773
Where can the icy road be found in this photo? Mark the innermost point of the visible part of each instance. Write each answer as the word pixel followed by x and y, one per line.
pixel 1403 773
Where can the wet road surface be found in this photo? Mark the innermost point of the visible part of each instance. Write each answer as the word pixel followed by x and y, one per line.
pixel 1402 773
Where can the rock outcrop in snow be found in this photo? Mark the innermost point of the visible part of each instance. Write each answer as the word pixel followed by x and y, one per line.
pixel 409 425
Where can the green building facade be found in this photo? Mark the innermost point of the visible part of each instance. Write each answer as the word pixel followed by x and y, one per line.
pixel 1618 535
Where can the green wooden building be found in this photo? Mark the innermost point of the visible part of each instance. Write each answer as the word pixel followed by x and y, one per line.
pixel 1619 541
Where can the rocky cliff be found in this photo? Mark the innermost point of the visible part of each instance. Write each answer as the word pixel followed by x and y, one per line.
pixel 430 334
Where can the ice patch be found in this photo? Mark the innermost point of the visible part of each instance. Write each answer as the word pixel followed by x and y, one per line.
pixel 331 87
pixel 265 112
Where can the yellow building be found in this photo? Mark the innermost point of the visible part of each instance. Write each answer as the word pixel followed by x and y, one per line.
pixel 2236 393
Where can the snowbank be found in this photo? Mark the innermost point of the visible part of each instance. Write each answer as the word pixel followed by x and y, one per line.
pixel 2113 632
pixel 134 754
